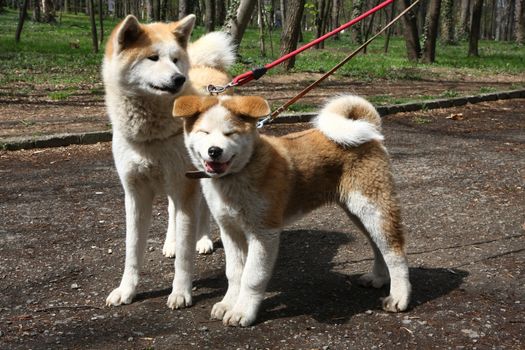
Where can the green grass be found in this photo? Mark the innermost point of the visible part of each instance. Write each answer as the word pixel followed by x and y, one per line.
pixel 45 57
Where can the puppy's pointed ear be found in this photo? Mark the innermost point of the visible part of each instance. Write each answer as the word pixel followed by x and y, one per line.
pixel 127 32
pixel 186 106
pixel 249 106
pixel 182 30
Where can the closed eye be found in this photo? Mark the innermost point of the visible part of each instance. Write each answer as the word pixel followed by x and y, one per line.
pixel 230 133
pixel 153 58
pixel 203 132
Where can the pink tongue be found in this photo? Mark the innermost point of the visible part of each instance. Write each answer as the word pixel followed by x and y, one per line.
pixel 216 167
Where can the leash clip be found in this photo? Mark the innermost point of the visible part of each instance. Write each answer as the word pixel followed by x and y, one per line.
pixel 264 121
pixel 217 89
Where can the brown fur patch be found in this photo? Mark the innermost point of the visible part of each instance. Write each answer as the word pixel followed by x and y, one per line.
pixel 189 106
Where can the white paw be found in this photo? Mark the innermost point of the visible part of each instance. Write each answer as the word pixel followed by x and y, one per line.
pixel 120 296
pixel 204 245
pixel 219 309
pixel 392 304
pixel 237 318
pixel 179 300
pixel 372 280
pixel 168 250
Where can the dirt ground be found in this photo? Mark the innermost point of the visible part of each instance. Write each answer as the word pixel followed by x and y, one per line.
pixel 29 110
pixel 461 183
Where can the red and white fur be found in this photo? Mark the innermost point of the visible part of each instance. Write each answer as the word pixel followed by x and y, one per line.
pixel 258 184
pixel 146 67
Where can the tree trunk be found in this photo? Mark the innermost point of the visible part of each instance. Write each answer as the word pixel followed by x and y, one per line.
pixel 336 7
pixel 237 23
pixel 101 20
pixel 519 22
pixel 284 12
pixel 357 30
pixel 260 19
pixel 91 7
pixel 209 15
pixel 431 31
pixel 149 10
pixel 220 12
pixel 447 22
pixel 475 28
pixel 37 16
pixel 411 33
pixel 290 33
pixel 463 23
pixel 391 29
pixel 21 19
pixel 185 8
pixel 48 11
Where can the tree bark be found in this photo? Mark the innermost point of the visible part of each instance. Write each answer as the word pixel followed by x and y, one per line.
pixel 260 19
pixel 91 7
pixel 185 8
pixel 149 10
pixel 48 11
pixel 475 28
pixel 101 20
pixel 463 23
pixel 237 24
pixel 209 15
pixel 357 29
pixel 220 12
pixel 431 31
pixel 411 32
pixel 447 22
pixel 290 33
pixel 21 19
pixel 37 15
pixel 519 22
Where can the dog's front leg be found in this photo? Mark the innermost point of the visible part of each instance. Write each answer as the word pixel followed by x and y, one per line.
pixel 138 203
pixel 235 249
pixel 262 253
pixel 186 218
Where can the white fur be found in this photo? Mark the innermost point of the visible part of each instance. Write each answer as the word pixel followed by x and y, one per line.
pixel 344 131
pixel 151 159
pixel 215 50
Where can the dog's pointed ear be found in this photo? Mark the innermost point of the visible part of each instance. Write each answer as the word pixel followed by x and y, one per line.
pixel 187 106
pixel 127 32
pixel 249 106
pixel 182 30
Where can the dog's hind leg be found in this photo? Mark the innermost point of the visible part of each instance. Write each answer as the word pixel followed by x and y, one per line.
pixel 138 203
pixel 381 223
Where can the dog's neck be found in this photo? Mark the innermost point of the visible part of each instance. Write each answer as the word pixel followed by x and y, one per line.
pixel 142 118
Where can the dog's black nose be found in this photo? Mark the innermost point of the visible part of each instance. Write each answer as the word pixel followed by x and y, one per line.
pixel 214 152
pixel 178 80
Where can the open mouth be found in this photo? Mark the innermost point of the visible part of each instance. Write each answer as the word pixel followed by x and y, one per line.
pixel 171 90
pixel 217 168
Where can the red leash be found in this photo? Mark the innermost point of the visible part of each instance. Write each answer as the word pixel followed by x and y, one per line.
pixel 259 72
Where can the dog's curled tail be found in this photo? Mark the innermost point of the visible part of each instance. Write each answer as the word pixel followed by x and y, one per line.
pixel 215 50
pixel 349 121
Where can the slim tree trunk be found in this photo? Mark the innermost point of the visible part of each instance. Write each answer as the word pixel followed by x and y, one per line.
pixel 48 11
pixel 463 23
pixel 447 22
pixel 260 19
pixel 220 12
pixel 357 30
pixel 101 20
pixel 391 29
pixel 431 31
pixel 284 12
pixel 475 28
pixel 519 22
pixel 21 19
pixel 91 7
pixel 410 31
pixel 209 15
pixel 290 33
pixel 37 16
pixel 237 23
pixel 336 7
pixel 185 8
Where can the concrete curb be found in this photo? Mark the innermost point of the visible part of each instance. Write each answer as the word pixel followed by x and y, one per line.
pixel 59 140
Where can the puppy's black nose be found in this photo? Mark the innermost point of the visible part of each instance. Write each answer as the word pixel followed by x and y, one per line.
pixel 214 152
pixel 178 80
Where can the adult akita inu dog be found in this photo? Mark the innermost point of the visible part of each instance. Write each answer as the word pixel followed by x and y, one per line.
pixel 146 67
pixel 259 183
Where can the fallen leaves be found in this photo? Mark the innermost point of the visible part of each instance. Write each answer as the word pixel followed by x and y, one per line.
pixel 456 116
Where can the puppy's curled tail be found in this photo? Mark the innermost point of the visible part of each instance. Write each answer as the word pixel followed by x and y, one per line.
pixel 349 121
pixel 215 49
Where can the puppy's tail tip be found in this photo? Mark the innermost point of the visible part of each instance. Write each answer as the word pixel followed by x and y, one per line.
pixel 349 120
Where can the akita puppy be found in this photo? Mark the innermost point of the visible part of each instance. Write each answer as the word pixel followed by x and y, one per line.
pixel 258 184
pixel 146 67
